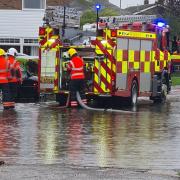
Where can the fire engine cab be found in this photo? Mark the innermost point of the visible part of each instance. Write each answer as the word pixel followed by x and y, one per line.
pixel 125 60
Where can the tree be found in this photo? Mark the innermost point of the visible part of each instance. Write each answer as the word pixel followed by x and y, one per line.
pixel 161 2
pixel 174 5
pixel 90 16
pixel 146 1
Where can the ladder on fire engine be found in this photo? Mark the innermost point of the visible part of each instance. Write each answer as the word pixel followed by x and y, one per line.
pixel 119 20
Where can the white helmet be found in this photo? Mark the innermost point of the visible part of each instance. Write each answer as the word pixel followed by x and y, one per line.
pixel 12 52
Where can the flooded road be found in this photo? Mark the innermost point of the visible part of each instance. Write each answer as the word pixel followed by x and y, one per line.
pixel 41 134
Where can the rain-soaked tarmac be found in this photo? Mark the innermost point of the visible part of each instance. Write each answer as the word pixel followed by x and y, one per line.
pixel 40 140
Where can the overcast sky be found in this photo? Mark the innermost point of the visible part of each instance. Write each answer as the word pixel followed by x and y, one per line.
pixel 127 3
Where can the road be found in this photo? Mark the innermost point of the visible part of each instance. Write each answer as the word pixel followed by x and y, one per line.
pixel 42 141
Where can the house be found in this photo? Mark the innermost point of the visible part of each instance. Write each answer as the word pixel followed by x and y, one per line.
pixel 20 21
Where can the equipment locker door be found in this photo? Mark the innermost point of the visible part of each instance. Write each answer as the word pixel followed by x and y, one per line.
pixel 47 73
pixel 145 65
pixel 103 69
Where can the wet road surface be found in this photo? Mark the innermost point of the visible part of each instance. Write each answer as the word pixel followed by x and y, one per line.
pixel 38 134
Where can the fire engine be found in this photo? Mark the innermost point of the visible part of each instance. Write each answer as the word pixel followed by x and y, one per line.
pixel 125 60
pixel 175 61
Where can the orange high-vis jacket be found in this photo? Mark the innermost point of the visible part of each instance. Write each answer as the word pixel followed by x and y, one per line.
pixel 76 68
pixel 4 70
pixel 14 70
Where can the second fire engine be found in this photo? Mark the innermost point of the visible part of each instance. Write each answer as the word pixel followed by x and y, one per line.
pixel 125 60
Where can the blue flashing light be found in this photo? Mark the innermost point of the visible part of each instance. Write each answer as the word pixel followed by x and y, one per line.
pixel 160 22
pixel 98 6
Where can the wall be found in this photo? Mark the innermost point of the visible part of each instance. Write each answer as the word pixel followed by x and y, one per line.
pixel 11 4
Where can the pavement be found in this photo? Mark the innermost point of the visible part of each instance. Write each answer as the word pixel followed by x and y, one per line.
pixel 61 171
pixel 64 171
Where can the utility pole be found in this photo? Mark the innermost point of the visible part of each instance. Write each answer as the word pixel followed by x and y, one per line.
pixel 120 4
pixel 64 22
pixel 98 7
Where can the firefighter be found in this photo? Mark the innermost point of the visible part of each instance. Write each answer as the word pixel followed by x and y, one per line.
pixel 166 77
pixel 4 73
pixel 174 45
pixel 76 69
pixel 15 75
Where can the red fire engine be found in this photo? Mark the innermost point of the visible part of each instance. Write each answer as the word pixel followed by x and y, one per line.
pixel 127 60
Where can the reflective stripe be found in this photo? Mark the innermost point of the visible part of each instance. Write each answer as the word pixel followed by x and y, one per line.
pixel 4 71
pixel 13 64
pixel 8 104
pixel 84 101
pixel 78 69
pixel 74 103
pixel 72 64
pixel 3 78
pixel 77 74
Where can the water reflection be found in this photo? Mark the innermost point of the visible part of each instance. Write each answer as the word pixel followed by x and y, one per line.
pixel 9 134
pixel 39 134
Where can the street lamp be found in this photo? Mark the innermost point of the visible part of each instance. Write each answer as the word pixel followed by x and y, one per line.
pixel 98 7
pixel 64 22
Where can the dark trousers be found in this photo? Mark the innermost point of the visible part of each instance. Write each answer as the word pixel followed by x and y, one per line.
pixel 77 85
pixel 13 86
pixel 6 94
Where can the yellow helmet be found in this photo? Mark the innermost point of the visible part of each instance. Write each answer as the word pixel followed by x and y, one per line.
pixel 71 52
pixel 2 52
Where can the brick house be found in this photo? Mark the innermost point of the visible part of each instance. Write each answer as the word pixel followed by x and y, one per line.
pixel 19 23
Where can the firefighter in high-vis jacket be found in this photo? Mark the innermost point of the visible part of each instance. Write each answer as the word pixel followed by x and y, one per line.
pixel 15 72
pixel 76 69
pixel 4 75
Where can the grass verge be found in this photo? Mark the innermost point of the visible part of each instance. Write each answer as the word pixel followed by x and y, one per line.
pixel 175 77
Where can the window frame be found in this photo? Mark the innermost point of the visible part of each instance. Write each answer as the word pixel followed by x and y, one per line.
pixel 141 49
pixel 35 9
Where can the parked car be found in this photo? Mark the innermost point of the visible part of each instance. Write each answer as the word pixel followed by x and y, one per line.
pixel 25 56
pixel 28 90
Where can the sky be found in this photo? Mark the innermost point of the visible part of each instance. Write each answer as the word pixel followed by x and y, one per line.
pixel 127 3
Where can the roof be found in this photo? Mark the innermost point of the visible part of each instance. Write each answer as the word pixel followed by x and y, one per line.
pixel 20 23
pixel 144 9
pixel 134 9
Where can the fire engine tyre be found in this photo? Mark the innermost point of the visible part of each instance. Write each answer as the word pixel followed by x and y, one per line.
pixel 162 97
pixel 134 93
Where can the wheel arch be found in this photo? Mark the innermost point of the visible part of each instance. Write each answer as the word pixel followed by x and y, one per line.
pixel 135 79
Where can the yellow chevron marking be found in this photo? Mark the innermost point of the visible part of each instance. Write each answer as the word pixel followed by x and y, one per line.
pixel 99 52
pixel 56 75
pixel 55 88
pixel 95 90
pixel 114 68
pixel 105 75
pixel 96 78
pixel 103 87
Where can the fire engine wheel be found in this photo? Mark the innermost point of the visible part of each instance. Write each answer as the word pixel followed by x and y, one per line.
pixel 162 97
pixel 134 94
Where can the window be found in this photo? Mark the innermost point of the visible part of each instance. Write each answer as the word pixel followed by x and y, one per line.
pixel 146 45
pixel 122 44
pixel 134 44
pixel 34 4
pixel 31 41
pixel 9 41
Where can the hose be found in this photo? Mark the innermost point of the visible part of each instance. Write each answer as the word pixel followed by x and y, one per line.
pixel 98 109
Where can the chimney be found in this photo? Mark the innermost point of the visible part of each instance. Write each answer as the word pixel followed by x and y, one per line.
pixel 146 2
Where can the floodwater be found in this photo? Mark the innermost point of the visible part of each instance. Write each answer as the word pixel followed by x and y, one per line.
pixel 44 134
